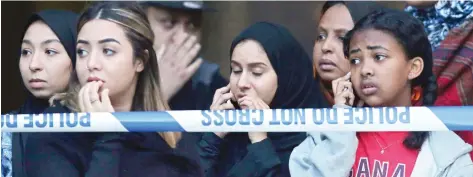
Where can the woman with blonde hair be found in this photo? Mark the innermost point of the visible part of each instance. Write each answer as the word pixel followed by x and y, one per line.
pixel 117 71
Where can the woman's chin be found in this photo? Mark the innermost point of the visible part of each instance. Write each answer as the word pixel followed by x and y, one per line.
pixel 373 101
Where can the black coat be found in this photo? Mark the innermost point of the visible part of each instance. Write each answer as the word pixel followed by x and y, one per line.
pixel 109 154
pixel 235 156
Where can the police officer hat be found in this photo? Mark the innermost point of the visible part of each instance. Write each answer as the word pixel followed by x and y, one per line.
pixel 182 5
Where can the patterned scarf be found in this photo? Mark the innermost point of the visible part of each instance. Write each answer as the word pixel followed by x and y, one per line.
pixel 453 66
pixel 439 20
pixel 6 154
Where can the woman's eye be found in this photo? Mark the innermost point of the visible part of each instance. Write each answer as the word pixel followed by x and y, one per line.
pixel 26 52
pixel 236 71
pixel 108 52
pixel 257 73
pixel 82 52
pixel 50 52
pixel 380 57
pixel 354 61
pixel 321 37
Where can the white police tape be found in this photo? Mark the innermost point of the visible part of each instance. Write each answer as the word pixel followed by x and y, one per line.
pixel 270 120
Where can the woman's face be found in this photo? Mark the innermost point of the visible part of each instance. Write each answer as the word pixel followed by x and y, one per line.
pixel 44 63
pixel 105 54
pixel 329 60
pixel 380 70
pixel 252 72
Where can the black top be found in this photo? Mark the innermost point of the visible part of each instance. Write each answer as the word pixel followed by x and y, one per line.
pixel 31 106
pixel 108 154
pixel 234 155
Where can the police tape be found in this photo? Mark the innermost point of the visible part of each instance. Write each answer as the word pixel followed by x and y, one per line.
pixel 270 120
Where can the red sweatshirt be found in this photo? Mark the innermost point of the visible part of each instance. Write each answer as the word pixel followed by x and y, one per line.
pixel 394 161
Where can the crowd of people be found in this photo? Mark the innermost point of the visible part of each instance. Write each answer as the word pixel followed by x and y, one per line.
pixel 146 57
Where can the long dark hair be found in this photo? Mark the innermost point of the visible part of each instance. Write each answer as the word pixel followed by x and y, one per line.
pixel 329 4
pixel 409 32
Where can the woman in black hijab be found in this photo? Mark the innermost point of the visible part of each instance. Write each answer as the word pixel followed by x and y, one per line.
pixel 270 69
pixel 46 63
pixel 62 23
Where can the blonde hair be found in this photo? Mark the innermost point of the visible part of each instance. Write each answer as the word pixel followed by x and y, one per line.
pixel 134 22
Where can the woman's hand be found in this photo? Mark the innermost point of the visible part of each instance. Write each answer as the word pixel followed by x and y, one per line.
pixel 221 101
pixel 248 102
pixel 343 91
pixel 94 99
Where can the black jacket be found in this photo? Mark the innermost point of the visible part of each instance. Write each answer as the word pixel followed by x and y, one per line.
pixel 235 156
pixel 108 154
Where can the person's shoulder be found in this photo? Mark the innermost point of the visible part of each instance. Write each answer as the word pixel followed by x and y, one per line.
pixel 447 145
pixel 462 167
pixel 207 73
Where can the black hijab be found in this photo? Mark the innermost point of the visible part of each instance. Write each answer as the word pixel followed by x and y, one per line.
pixel 63 24
pixel 296 85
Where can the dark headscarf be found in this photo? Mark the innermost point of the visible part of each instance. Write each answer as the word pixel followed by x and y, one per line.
pixel 63 24
pixel 296 86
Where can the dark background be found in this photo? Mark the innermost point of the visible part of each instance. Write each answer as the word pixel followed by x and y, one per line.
pixel 219 28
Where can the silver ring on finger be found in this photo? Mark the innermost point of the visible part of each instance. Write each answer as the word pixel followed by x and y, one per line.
pixel 93 101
